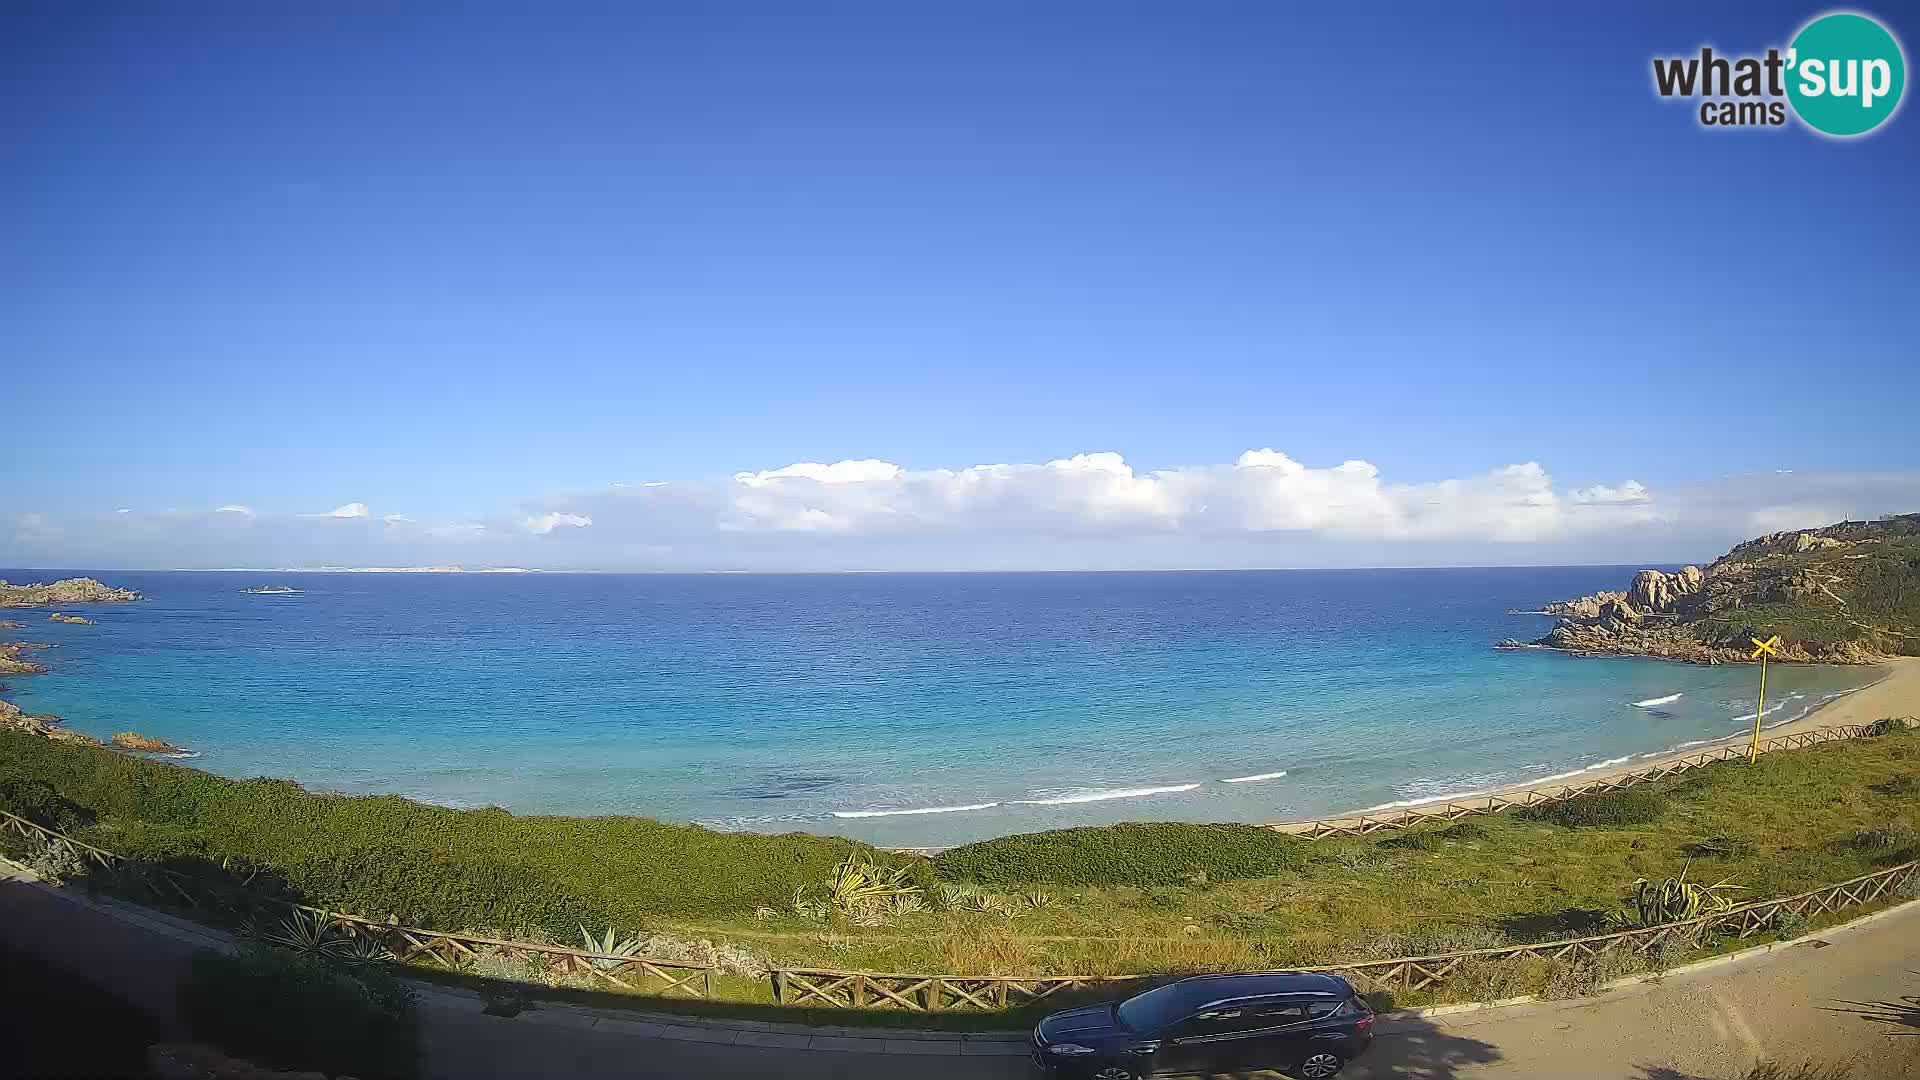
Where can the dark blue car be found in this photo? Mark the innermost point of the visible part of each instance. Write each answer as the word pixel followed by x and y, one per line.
pixel 1304 1024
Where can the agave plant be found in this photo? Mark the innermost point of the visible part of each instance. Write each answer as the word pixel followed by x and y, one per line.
pixel 857 883
pixel 364 949
pixel 905 904
pixel 1039 898
pixel 306 932
pixel 806 906
pixel 1676 900
pixel 609 947
pixel 948 896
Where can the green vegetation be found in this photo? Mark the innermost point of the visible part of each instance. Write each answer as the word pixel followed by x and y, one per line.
pixel 425 865
pixel 1608 809
pixel 1125 899
pixel 288 1011
pixel 1677 899
pixel 1159 853
pixel 1864 587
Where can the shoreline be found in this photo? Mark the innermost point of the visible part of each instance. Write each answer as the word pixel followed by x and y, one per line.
pixel 1894 693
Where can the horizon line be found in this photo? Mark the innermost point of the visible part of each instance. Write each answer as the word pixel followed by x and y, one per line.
pixel 519 571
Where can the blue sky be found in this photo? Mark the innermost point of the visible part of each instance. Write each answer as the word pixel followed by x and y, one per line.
pixel 452 267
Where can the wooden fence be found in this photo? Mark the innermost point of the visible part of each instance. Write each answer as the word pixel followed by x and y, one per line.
pixel 1455 809
pixel 825 988
pixel 236 904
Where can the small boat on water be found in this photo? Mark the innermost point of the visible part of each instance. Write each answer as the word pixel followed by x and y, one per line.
pixel 273 590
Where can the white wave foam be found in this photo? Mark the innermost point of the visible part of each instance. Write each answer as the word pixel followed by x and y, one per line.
pixel 1746 717
pixel 1609 763
pixel 916 810
pixel 182 755
pixel 1255 777
pixel 1651 702
pixel 1103 796
pixel 1397 803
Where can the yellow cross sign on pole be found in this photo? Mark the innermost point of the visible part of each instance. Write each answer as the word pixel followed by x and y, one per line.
pixel 1761 650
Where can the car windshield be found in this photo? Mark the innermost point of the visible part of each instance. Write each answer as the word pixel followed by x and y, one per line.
pixel 1155 1009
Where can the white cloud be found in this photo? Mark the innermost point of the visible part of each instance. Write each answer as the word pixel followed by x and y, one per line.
pixel 235 508
pixel 553 519
pixel 840 472
pixel 1092 510
pixel 1633 491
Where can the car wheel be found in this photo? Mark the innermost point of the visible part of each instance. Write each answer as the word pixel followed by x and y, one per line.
pixel 1114 1072
pixel 1320 1066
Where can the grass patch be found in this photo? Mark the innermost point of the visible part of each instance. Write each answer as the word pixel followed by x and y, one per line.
pixel 1608 809
pixel 1158 853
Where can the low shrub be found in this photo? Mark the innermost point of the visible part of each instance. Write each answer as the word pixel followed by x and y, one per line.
pixel 1889 836
pixel 430 888
pixel 1142 854
pixel 1719 847
pixel 291 1012
pixel 1635 806
pixel 1901 785
pixel 39 803
pixel 1437 839
pixel 1421 840
pixel 432 865
pixel 1466 830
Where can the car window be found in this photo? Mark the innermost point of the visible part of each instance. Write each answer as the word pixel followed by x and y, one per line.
pixel 1218 1022
pixel 1281 1012
pixel 1325 1008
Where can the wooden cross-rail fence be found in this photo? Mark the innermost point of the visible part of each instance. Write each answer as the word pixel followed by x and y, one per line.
pixel 823 988
pixel 835 989
pixel 409 944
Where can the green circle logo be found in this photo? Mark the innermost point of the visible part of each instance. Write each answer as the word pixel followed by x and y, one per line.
pixel 1845 74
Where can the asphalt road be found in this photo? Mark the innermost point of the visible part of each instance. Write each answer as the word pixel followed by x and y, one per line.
pixel 1851 998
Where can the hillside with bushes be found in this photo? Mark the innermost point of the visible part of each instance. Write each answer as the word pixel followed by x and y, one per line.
pixel 1848 593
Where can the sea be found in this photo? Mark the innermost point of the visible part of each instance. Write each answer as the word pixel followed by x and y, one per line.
pixel 911 710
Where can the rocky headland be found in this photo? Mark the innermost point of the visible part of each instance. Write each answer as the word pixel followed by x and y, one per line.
pixel 1845 594
pixel 67 591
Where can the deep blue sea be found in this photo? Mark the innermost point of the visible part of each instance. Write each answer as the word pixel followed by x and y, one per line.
pixel 906 709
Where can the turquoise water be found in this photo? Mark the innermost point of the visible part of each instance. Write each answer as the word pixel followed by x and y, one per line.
pixel 832 703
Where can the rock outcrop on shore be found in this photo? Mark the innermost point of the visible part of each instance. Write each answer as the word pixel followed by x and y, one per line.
pixel 9 624
pixel 13 718
pixel 10 662
pixel 67 591
pixel 76 620
pixel 1845 594
pixel 146 744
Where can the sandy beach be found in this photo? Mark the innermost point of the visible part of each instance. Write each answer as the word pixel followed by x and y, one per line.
pixel 1895 693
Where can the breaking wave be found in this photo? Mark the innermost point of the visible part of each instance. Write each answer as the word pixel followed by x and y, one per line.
pixel 915 810
pixel 1103 796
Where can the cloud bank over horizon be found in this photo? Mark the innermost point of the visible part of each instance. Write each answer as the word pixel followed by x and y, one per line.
pixel 1088 511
